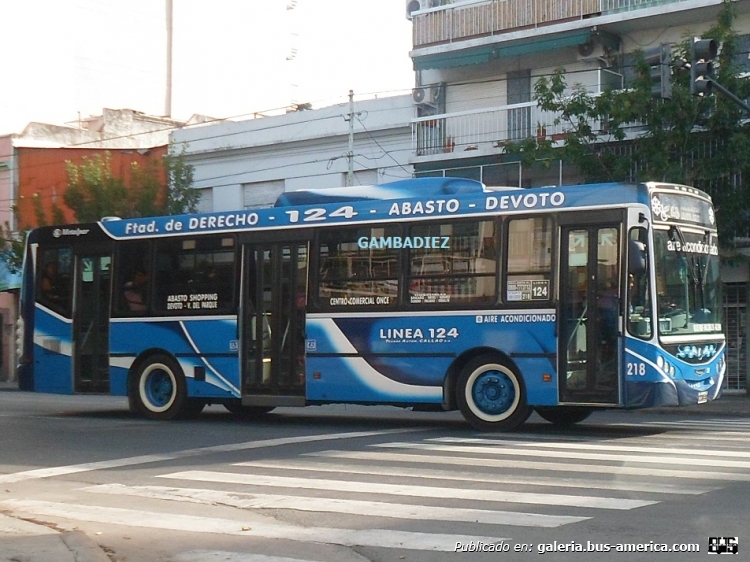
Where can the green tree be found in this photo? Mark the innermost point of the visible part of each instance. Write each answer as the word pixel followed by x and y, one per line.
pixel 94 191
pixel 181 196
pixel 627 135
pixel 12 244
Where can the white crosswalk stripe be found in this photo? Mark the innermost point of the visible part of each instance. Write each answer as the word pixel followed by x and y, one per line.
pixel 477 477
pixel 352 507
pixel 555 466
pixel 637 459
pixel 383 538
pixel 406 490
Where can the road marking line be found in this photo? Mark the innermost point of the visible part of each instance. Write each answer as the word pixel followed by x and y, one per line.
pixel 381 538
pixel 406 490
pixel 638 459
pixel 553 465
pixel 18 527
pixel 596 446
pixel 331 505
pixel 143 459
pixel 426 473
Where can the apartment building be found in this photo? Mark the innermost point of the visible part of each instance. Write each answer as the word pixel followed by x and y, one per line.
pixel 476 63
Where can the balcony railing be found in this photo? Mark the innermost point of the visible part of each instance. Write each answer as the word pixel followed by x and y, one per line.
pixel 485 130
pixel 455 22
pixel 481 129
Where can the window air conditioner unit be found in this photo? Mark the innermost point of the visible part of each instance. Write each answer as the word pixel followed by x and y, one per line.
pixel 591 50
pixel 415 6
pixel 427 95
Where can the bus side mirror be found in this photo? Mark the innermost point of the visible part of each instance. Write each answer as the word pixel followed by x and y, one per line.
pixel 637 258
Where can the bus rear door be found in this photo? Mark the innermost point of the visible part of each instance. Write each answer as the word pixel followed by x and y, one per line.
pixel 91 304
pixel 590 325
pixel 273 325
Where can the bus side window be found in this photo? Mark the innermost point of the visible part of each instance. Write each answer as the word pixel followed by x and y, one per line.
pixel 639 301
pixel 53 287
pixel 132 281
pixel 529 260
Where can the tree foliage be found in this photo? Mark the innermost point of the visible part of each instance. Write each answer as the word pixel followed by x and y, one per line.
pixel 181 197
pixel 95 191
pixel 628 135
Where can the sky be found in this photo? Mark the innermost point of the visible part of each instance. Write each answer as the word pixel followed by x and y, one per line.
pixel 69 59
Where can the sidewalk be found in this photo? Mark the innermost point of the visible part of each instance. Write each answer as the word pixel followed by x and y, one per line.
pixel 24 541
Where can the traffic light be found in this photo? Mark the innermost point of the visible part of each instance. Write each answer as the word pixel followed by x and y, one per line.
pixel 702 53
pixel 659 60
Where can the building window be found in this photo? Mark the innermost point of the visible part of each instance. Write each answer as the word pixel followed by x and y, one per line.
pixel 261 193
pixel 206 202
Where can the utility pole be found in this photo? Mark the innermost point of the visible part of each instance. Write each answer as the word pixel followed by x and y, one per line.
pixel 350 152
pixel 168 100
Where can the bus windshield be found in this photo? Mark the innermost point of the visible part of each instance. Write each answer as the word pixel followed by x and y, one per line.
pixel 687 282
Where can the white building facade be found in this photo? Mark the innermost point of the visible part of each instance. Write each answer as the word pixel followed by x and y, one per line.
pixel 250 163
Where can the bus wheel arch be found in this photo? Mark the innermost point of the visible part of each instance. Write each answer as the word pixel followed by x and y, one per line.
pixel 491 393
pixel 157 388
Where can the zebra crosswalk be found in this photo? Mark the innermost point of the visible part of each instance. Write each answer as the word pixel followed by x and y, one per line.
pixel 424 494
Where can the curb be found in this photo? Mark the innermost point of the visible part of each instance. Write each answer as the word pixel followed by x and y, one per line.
pixel 83 548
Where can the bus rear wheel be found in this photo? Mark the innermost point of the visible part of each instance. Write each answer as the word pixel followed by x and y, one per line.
pixel 563 416
pixel 491 395
pixel 160 390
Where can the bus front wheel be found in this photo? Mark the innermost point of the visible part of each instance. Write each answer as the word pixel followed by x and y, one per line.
pixel 563 416
pixel 491 395
pixel 160 390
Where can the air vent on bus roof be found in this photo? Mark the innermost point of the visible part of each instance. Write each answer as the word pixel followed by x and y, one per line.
pixel 402 189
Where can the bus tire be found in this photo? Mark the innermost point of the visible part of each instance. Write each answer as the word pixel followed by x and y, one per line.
pixel 564 416
pixel 491 395
pixel 160 390
pixel 248 412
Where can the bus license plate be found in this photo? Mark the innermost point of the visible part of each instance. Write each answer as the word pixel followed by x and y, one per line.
pixel 703 397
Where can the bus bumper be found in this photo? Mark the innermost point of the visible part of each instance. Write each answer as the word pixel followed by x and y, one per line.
pixel 672 393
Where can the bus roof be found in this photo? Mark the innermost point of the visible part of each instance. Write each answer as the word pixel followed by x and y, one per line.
pixel 405 200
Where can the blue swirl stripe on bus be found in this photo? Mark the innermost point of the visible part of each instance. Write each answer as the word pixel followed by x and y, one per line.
pixel 205 336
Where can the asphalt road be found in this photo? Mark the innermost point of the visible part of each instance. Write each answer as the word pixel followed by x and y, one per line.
pixel 342 484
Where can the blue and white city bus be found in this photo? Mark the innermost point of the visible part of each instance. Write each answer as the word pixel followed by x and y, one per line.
pixel 432 293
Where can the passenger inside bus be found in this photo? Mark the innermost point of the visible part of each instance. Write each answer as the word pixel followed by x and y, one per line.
pixel 135 291
pixel 51 284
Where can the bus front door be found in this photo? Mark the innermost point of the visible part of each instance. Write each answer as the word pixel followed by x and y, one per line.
pixel 91 303
pixel 590 332
pixel 273 330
